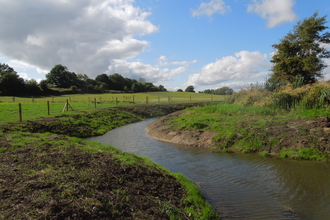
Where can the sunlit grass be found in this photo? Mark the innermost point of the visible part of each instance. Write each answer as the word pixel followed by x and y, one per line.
pixel 88 102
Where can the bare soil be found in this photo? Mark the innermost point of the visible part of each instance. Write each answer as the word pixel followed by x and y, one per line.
pixel 160 130
pixel 54 176
pixel 296 133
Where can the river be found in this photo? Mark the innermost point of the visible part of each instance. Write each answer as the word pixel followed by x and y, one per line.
pixel 238 186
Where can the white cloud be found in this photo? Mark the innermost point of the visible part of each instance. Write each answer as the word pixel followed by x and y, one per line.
pixel 326 71
pixel 82 35
pixel 213 7
pixel 276 12
pixel 137 69
pixel 163 61
pixel 244 65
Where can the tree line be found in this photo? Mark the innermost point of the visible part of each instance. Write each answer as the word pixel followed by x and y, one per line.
pixel 11 84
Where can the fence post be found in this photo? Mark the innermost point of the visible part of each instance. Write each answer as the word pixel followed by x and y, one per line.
pixel 116 101
pixel 147 100
pixel 190 98
pixel 158 100
pixel 32 99
pixel 67 105
pixel 20 111
pixel 13 99
pixel 48 108
pixel 133 100
pixel 94 102
pixel 211 98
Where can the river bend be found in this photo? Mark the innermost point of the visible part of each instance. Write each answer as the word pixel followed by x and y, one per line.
pixel 238 186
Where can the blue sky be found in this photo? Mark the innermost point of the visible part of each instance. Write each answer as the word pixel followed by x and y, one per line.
pixel 176 43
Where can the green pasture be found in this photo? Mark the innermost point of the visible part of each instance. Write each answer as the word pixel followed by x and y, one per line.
pixel 36 107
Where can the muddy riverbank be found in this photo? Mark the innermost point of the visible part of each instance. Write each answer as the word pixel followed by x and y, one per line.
pixel 295 138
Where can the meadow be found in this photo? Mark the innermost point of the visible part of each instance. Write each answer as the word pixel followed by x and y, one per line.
pixel 36 107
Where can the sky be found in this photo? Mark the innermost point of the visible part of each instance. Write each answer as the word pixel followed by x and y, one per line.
pixel 208 44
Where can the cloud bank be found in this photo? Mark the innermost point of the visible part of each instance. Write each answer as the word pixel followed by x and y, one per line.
pixel 276 12
pixel 149 72
pixel 208 9
pixel 244 65
pixel 83 35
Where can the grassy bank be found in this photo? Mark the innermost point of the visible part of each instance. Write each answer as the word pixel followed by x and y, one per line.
pixel 47 173
pixel 298 134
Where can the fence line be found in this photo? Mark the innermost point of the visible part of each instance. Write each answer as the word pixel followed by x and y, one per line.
pixel 126 100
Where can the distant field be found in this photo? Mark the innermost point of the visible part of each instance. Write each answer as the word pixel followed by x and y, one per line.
pixel 36 107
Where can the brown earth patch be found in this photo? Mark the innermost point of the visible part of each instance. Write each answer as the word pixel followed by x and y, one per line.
pixel 160 130
pixel 56 182
pixel 278 135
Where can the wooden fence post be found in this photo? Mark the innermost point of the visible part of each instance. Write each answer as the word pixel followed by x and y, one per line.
pixel 13 99
pixel 48 108
pixel 94 102
pixel 158 100
pixel 67 105
pixel 147 100
pixel 116 101
pixel 20 111
pixel 133 100
pixel 190 98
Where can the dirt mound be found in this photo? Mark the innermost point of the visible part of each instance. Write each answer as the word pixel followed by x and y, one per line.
pixel 51 181
pixel 160 130
pixel 295 138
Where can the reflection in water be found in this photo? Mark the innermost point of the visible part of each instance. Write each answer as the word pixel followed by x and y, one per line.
pixel 237 186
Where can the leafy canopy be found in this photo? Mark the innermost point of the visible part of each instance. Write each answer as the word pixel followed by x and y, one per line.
pixel 299 55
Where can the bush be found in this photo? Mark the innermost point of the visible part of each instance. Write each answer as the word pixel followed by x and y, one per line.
pixel 318 97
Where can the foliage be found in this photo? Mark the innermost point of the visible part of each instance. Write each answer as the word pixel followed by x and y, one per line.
pixel 60 77
pixel 190 89
pixel 317 97
pixel 299 54
pixel 221 91
pixel 10 82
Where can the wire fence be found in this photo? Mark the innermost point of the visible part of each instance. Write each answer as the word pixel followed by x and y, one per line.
pixel 37 108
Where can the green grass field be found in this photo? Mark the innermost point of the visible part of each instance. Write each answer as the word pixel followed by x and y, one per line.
pixel 36 107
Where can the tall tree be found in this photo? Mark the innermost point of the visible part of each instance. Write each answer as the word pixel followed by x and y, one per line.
pixel 299 55
pixel 60 77
pixel 190 89
pixel 10 82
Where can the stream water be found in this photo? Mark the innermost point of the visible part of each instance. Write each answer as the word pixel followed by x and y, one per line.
pixel 238 186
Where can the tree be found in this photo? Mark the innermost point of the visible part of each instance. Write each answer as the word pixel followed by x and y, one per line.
pixel 32 87
pixel 162 88
pixel 224 91
pixel 60 77
pixel 299 55
pixel 179 90
pixel 190 89
pixel 10 82
pixel 103 79
pixel 4 68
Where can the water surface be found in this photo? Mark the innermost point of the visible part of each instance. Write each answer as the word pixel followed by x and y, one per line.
pixel 238 186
